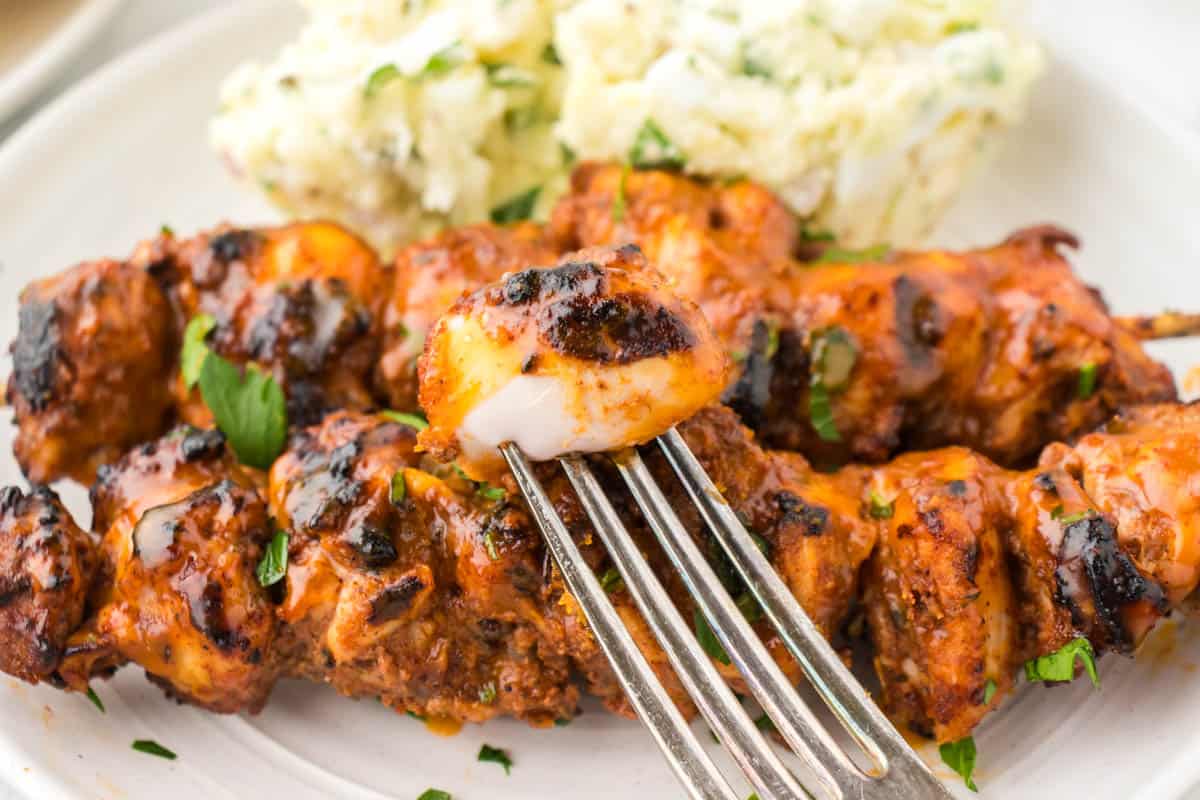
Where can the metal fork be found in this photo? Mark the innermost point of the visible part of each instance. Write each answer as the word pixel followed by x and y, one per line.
pixel 898 772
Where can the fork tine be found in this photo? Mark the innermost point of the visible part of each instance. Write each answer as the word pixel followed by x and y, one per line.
pixel 794 720
pixel 704 684
pixel 691 764
pixel 821 665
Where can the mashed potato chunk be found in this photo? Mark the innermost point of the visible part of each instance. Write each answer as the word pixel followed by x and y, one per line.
pixel 397 117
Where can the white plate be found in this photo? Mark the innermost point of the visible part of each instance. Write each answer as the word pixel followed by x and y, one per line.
pixel 126 152
pixel 38 38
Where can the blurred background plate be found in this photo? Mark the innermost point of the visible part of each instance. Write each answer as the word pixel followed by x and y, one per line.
pixel 126 152
pixel 39 38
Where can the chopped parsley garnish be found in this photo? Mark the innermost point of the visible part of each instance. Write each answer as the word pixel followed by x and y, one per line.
pixel 611 581
pixel 443 61
pixel 820 413
pixel 415 715
pixel 836 255
pixel 762 544
pixel 749 607
pixel 764 723
pixel 489 542
pixel 496 756
pixel 274 562
pixel 1087 381
pixel 1065 519
pixel 414 421
pixel 989 691
pixel 772 347
pixel 834 354
pixel 653 150
pixel 249 408
pixel 399 488
pixel 962 27
pixel 435 794
pixel 880 507
pixel 153 748
pixel 95 698
pixel 618 206
pixel 561 722
pixel 489 492
pixel 1059 666
pixel 960 757
pixel 487 693
pixel 517 208
pixel 506 76
pixel 550 55
pixel 752 67
pixel 816 236
pixel 379 78
pixel 166 230
pixel 708 640
pixel 191 357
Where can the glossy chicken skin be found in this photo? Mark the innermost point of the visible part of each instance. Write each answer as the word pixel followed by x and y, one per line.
pixel 982 349
pixel 430 277
pixel 591 355
pixel 46 568
pixel 183 530
pixel 304 300
pixel 90 361
pixel 95 362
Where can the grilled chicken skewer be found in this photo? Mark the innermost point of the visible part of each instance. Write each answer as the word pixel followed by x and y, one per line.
pixel 1002 349
pixel 408 582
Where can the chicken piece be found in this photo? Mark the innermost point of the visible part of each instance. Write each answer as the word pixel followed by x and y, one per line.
pixel 95 362
pixel 92 349
pixel 596 350
pixel 1142 472
pixel 430 276
pixel 1001 350
pixel 979 570
pixel 184 529
pixel 303 300
pixel 46 568
pixel 402 587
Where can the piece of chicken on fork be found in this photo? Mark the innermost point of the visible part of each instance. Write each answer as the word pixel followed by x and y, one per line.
pixel 594 354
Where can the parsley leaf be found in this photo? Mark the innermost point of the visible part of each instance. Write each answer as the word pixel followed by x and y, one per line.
pixel 191 357
pixel 496 756
pixel 820 413
pixel 435 794
pixel 443 60
pixel 274 562
pixel 653 150
pixel 489 492
pixel 1087 381
pixel 399 489
pixel 834 354
pixel 487 693
pixel 550 55
pixel 489 542
pixel 764 723
pixel 249 408
pixel 960 757
pixel 1057 513
pixel 989 691
pixel 618 206
pixel 708 640
pixel 95 698
pixel 517 208
pixel 880 507
pixel 836 255
pixel 166 230
pixel 380 78
pixel 153 748
pixel 414 421
pixel 611 581
pixel 507 76
pixel 1059 666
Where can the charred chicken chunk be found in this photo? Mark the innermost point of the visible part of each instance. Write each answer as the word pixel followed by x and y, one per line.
pixel 90 361
pixel 184 529
pixel 594 354
pixel 303 300
pixel 1001 350
pixel 46 568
